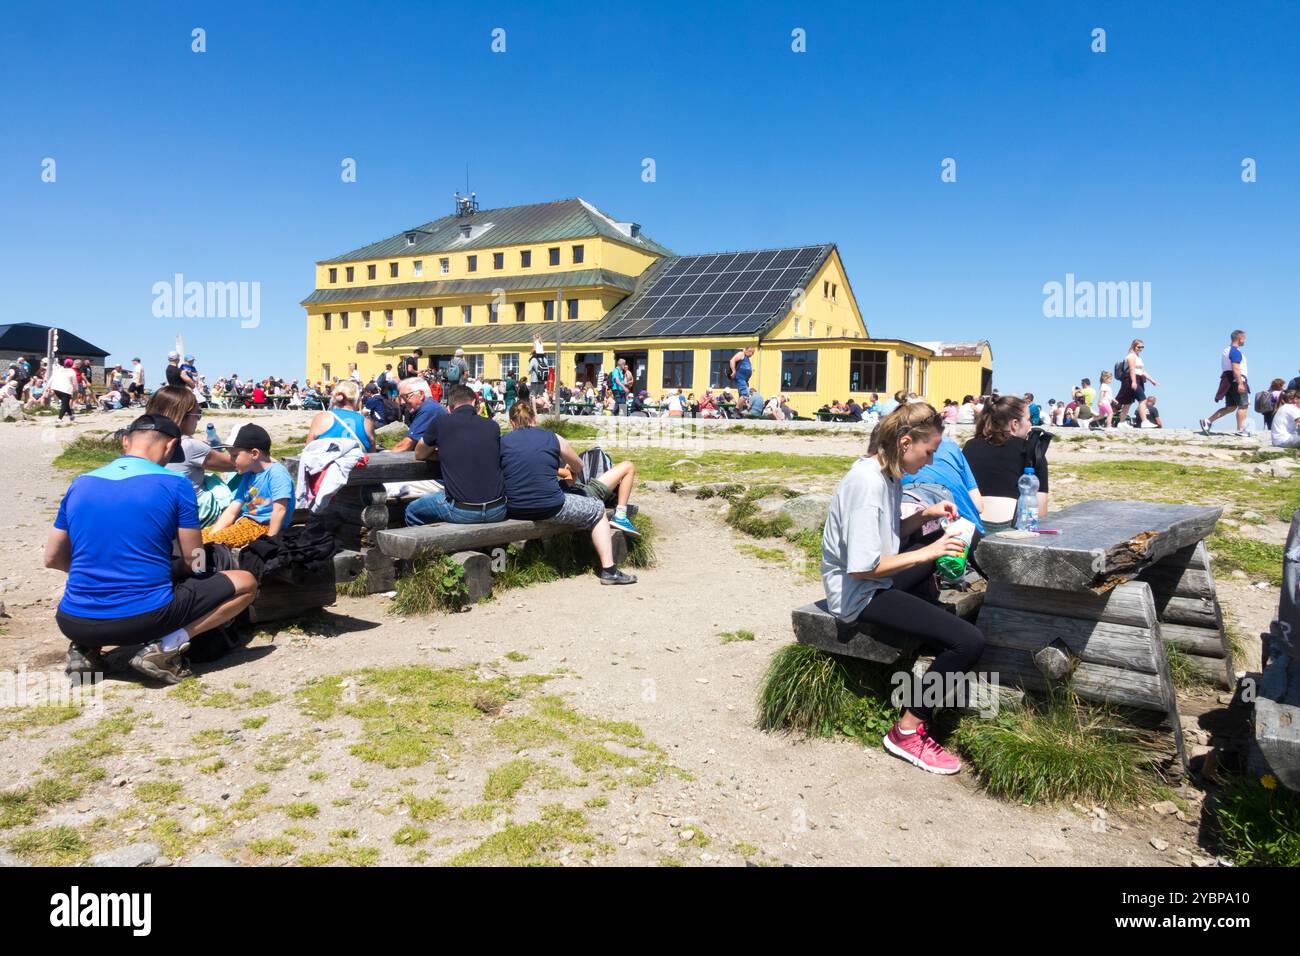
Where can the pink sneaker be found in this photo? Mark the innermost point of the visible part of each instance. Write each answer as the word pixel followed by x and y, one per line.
pixel 920 749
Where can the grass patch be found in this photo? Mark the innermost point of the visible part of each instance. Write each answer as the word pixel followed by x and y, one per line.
pixel 772 555
pixel 272 848
pixel 573 431
pixel 27 718
pixel 88 452
pixel 1259 822
pixel 410 836
pixel 744 515
pixel 1058 750
pixel 507 780
pixel 721 467
pixel 358 586
pixel 51 846
pixel 730 637
pixel 158 793
pixel 516 656
pixel 423 810
pixel 434 583
pixel 529 844
pixel 1182 673
pixel 818 694
pixel 1146 480
pixel 1258 559
pixel 194 692
pixel 300 811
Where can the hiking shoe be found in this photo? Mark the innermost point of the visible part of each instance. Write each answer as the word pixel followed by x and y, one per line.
pixel 170 667
pixel 84 662
pixel 625 525
pixel 920 749
pixel 616 577
pixel 1205 426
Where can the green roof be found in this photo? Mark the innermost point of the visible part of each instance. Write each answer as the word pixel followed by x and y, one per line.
pixel 508 226
pixel 451 337
pixel 424 290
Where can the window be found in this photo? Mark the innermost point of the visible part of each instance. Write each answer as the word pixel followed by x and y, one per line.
pixel 498 260
pixel 325 372
pixel 548 310
pixel 811 333
pixel 867 369
pixel 525 258
pixel 925 367
pixel 519 311
pixel 826 290
pixel 418 267
pixel 578 253
pixel 466 311
pixel 334 275
pixel 554 254
pixel 833 288
pixel 799 371
pixel 510 363
pixel 444 266
pixel 475 365
pixel 678 368
pixel 388 318
pixel 327 321
pixel 573 308
pixel 796 326
pixel 437 315
pixel 719 366
pixel 349 273
pixel 493 310
pixel 908 363
pixel 392 270
pixel 370 272
pixel 471 263
pixel 365 320
pixel 343 321
pixel 410 317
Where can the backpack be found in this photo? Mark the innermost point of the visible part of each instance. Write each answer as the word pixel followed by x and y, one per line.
pixel 392 412
pixel 1121 370
pixel 595 463
pixel 453 372
pixel 1264 402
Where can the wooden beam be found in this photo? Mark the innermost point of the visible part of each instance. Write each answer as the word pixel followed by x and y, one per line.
pixel 1201 641
pixel 1125 604
pixel 1095 642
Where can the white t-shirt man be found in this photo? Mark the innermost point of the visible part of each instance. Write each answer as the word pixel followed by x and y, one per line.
pixel 861 528
pixel 1286 426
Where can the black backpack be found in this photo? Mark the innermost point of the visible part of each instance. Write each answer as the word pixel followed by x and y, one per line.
pixel 392 411
pixel 1121 370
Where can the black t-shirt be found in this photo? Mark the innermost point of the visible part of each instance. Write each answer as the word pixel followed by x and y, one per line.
pixel 174 376
pixel 469 448
pixel 997 468
pixel 409 368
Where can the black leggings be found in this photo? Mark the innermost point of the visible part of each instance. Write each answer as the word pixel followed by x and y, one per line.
pixel 65 407
pixel 911 605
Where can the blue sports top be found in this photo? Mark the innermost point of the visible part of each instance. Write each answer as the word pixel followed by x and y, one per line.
pixel 121 520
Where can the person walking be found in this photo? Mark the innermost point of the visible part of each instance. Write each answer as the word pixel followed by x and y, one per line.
pixel 1234 388
pixel 620 383
pixel 1133 379
pixel 742 370
pixel 63 383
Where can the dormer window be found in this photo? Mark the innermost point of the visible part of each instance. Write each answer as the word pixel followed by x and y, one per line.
pixel 411 237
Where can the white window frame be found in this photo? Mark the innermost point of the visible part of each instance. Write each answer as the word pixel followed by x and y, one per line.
pixel 467 313
pixel 444 266
pixel 418 267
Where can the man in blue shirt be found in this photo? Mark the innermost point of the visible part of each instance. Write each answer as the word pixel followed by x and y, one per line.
pixel 1234 388
pixel 416 399
pixel 113 535
pixel 468 446
pixel 951 470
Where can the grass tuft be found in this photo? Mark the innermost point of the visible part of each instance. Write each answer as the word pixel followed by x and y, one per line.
pixel 730 637
pixel 88 452
pixel 433 583
pixel 819 694
pixel 1259 822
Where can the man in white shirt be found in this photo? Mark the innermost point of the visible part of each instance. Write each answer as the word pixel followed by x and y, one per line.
pixel 1286 421
pixel 1234 388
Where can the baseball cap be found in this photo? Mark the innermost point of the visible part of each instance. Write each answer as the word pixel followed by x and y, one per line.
pixel 155 423
pixel 250 436
pixel 173 355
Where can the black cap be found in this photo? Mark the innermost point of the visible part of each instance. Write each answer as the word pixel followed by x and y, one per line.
pixel 155 423
pixel 252 436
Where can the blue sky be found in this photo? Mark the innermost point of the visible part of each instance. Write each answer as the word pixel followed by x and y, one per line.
pixel 1115 166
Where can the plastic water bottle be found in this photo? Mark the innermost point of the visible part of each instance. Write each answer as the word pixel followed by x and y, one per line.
pixel 953 566
pixel 212 434
pixel 1027 506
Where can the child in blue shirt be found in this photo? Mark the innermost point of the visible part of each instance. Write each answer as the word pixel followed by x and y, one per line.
pixel 263 495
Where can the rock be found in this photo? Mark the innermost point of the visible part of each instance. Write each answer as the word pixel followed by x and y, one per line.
pixel 807 512
pixel 771 505
pixel 162 861
pixel 136 854
pixel 686 835
pixel 1239 574
pixel 1282 468
pixel 8 859
pixel 1160 844
pixel 1251 516
pixel 11 410
pixel 210 859
pixel 393 428
pixel 1166 808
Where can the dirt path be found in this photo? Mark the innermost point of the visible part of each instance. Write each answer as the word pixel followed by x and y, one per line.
pixel 648 655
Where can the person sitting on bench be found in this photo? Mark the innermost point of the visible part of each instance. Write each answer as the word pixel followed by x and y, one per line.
pixel 869 582
pixel 113 536
pixel 612 488
pixel 263 497
pixel 530 462
pixel 468 447
pixel 415 396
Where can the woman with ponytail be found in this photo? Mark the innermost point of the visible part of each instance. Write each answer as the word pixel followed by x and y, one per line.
pixel 868 581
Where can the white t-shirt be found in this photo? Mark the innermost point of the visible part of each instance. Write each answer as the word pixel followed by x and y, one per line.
pixel 1225 362
pixel 1286 425
pixel 63 380
pixel 861 528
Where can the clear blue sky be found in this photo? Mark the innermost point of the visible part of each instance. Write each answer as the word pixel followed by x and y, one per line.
pixel 1122 166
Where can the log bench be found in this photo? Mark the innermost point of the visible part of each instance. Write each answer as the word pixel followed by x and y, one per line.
pixel 1275 743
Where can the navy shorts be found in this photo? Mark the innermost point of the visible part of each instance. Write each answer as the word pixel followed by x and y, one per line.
pixel 193 598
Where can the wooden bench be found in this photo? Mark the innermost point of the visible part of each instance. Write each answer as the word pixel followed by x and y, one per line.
pixel 1275 743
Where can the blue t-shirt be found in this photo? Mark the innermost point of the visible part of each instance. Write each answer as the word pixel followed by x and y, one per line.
pixel 375 406
pixel 258 491
pixel 121 520
pixel 1035 415
pixel 356 421
pixel 1234 355
pixel 423 418
pixel 530 458
pixel 951 470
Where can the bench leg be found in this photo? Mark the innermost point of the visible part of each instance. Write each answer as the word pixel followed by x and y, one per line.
pixel 478 574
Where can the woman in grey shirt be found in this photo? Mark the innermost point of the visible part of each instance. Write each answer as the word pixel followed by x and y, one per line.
pixel 869 581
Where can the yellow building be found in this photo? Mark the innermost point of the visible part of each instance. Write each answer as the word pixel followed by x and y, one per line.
pixel 487 281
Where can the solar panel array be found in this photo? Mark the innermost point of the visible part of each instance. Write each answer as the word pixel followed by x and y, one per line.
pixel 726 294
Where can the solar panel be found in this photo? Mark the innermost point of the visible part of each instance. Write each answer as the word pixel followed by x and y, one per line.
pixel 784 258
